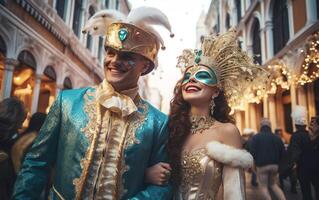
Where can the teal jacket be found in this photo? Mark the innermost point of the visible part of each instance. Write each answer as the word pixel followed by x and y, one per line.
pixel 63 144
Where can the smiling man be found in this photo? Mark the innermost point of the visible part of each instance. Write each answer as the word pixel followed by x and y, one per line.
pixel 102 139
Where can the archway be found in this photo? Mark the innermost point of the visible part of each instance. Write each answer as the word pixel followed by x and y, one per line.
pixel 3 53
pixel 47 89
pixel 67 84
pixel 256 41
pixel 24 78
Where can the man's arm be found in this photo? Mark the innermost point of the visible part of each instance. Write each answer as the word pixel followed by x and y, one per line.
pixel 36 167
pixel 159 154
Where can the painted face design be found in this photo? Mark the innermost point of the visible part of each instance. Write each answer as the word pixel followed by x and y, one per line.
pixel 201 74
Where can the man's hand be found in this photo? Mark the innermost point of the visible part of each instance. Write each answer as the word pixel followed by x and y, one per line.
pixel 158 174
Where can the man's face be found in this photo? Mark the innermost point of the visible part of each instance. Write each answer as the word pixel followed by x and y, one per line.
pixel 122 69
pixel 314 125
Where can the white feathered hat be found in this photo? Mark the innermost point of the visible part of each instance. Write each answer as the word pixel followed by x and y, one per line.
pixel 133 33
pixel 299 115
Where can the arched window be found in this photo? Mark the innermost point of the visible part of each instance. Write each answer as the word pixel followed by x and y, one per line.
pixel 218 24
pixel 67 84
pixel 3 48
pixel 280 24
pixel 117 4
pixel 238 6
pixel 77 15
pixel 60 8
pixel 100 50
pixel 47 89
pixel 89 37
pixel 227 21
pixel 256 41
pixel 50 73
pixel 24 78
pixel 26 59
pixel 106 3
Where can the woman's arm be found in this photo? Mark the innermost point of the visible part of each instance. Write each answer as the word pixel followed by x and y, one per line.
pixel 235 160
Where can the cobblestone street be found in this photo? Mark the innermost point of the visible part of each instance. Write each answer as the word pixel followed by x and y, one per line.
pixel 254 194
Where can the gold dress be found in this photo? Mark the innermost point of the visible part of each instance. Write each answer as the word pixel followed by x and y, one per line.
pixel 207 170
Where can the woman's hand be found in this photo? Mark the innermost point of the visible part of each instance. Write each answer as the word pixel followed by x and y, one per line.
pixel 158 174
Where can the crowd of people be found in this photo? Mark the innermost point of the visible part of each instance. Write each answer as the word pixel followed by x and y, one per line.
pixel 275 160
pixel 14 143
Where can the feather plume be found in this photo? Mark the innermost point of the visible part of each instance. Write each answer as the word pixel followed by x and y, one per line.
pixel 148 15
pixel 98 23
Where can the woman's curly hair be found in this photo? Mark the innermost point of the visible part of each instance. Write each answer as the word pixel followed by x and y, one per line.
pixel 179 126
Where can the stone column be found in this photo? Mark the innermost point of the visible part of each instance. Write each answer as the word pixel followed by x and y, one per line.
pixel 311 11
pixel 253 122
pixel 263 45
pixel 36 93
pixel 265 107
pixel 247 116
pixel 290 19
pixel 269 40
pixel 293 96
pixel 272 112
pixel 10 64
pixel 311 100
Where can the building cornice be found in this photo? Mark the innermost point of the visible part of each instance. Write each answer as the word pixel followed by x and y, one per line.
pixel 297 42
pixel 50 20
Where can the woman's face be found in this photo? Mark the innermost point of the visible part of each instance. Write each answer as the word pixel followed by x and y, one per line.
pixel 196 86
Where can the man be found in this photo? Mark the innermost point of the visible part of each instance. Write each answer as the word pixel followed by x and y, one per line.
pixel 247 135
pixel 102 139
pixel 304 152
pixel 300 151
pixel 267 150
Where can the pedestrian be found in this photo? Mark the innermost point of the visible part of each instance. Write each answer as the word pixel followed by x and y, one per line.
pixel 267 150
pixel 283 165
pixel 301 152
pixel 12 115
pixel 25 140
pixel 247 135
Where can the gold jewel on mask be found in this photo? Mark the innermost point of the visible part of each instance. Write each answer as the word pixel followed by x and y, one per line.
pixel 201 123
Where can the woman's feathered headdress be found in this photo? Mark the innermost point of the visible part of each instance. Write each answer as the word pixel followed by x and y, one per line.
pixel 236 72
pixel 133 33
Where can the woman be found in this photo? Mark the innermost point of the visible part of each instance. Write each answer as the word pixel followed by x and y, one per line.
pixel 204 144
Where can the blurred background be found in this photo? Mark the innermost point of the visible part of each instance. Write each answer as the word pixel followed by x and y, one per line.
pixel 43 51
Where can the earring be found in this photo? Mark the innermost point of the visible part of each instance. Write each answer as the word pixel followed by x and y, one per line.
pixel 212 104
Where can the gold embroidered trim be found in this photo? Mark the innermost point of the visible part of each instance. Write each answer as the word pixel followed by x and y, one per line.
pixel 109 184
pixel 92 109
pixel 191 167
pixel 135 121
pixel 57 193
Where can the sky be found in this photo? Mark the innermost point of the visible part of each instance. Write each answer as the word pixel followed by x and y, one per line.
pixel 183 16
